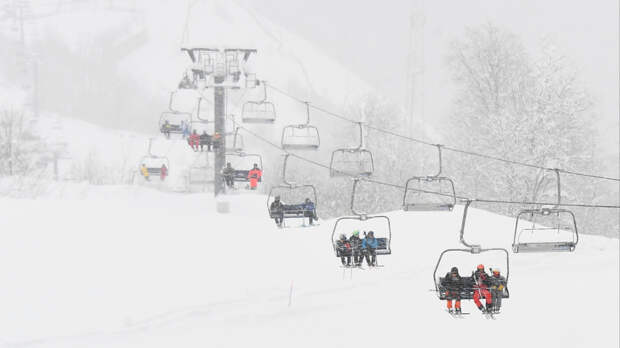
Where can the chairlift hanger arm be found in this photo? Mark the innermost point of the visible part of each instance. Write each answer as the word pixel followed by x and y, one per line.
pixel 462 232
pixel 355 212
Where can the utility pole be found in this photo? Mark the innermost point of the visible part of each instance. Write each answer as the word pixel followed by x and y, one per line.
pixel 220 69
pixel 415 68
pixel 220 127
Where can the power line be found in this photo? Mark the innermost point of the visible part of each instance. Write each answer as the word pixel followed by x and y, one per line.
pixel 463 198
pixel 448 148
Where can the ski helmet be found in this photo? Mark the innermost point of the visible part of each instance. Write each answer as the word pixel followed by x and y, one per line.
pixel 480 267
pixel 454 270
pixel 356 233
pixel 371 234
pixel 342 236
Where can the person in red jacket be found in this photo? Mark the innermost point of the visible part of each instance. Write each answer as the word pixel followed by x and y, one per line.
pixel 481 288
pixel 164 172
pixel 254 176
pixel 194 140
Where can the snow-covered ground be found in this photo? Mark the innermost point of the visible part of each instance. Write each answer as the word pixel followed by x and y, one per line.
pixel 129 266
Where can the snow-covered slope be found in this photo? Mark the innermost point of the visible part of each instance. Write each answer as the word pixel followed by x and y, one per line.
pixel 134 267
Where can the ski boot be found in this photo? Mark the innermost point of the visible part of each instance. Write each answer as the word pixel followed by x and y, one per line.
pixel 458 310
pixel 489 308
pixel 481 308
pixel 450 311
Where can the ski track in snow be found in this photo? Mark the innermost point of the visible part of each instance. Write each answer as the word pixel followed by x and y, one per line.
pixel 139 267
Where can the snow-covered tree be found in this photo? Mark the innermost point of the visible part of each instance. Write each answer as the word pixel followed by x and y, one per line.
pixel 517 106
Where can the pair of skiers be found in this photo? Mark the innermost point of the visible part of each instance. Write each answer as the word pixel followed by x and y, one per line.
pixel 163 172
pixel 358 248
pixel 489 287
pixel 277 208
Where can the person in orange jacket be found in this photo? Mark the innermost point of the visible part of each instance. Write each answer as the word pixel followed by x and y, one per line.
pixel 194 140
pixel 481 289
pixel 254 176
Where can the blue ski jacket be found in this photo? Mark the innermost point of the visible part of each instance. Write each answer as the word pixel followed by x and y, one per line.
pixel 370 242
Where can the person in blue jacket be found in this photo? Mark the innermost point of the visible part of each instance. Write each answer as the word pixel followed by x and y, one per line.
pixel 309 210
pixel 369 247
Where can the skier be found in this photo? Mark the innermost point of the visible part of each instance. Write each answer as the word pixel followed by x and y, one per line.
pixel 344 250
pixel 356 248
pixel 498 284
pixel 217 139
pixel 229 175
pixel 205 139
pixel 309 210
pixel 145 172
pixel 165 128
pixel 185 129
pixel 254 176
pixel 482 282
pixel 163 172
pixel 453 285
pixel 277 211
pixel 369 246
pixel 194 140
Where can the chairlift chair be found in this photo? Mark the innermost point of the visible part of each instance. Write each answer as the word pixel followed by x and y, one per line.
pixel 355 161
pixel 301 136
pixel 430 193
pixel 243 163
pixel 176 119
pixel 261 111
pixel 379 224
pixel 556 225
pixel 154 163
pixel 473 249
pixel 292 195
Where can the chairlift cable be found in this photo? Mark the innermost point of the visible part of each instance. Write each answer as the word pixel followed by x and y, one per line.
pixel 378 182
pixel 449 148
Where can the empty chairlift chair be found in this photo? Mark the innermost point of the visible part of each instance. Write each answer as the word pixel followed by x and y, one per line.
pixel 261 111
pixel 546 229
pixel 355 161
pixel 430 193
pixel 301 136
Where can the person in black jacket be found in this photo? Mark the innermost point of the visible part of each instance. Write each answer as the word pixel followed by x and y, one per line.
pixel 344 250
pixel 453 283
pixel 229 175
pixel 276 210
pixel 205 140
pixel 356 248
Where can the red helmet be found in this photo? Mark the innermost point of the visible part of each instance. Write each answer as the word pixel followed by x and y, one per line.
pixel 480 266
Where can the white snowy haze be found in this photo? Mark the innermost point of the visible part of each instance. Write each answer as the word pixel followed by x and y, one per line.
pixel 96 253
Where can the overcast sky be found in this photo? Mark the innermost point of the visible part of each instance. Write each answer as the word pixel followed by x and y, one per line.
pixel 371 38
